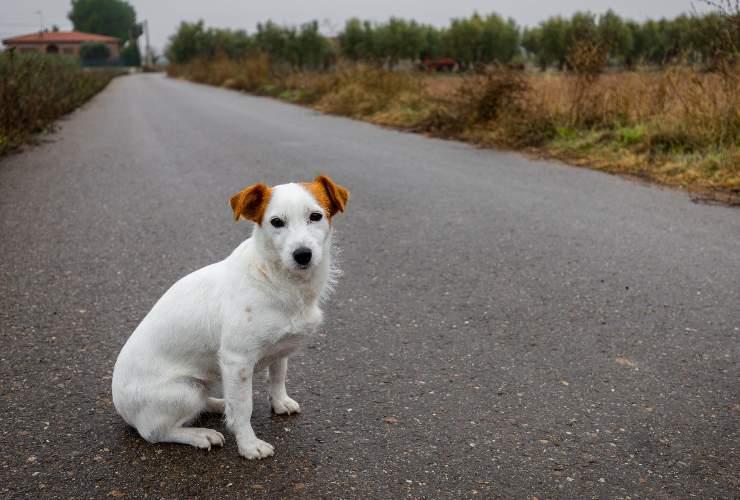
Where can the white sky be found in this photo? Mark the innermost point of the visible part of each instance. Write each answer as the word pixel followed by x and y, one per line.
pixel 20 16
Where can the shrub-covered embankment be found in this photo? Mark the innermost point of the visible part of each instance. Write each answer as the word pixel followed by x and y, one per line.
pixel 37 89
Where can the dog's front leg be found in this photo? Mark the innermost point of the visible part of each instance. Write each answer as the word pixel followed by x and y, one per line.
pixel 281 402
pixel 237 373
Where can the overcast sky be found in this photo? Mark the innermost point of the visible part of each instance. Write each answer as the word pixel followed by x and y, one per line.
pixel 20 16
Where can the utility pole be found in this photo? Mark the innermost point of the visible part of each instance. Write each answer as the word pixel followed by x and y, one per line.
pixel 41 21
pixel 148 50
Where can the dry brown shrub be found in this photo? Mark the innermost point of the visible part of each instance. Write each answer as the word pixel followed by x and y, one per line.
pixel 492 106
pixel 362 90
pixel 249 74
pixel 309 87
pixel 586 62
pixel 495 89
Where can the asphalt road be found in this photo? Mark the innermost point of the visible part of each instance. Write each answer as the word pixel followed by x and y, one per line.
pixel 503 328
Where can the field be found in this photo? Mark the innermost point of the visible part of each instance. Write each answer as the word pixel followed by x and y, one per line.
pixel 35 90
pixel 676 126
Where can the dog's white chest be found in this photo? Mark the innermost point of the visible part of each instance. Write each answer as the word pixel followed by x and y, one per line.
pixel 289 337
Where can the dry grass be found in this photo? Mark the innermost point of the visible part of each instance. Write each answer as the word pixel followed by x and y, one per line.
pixel 249 75
pixel 678 126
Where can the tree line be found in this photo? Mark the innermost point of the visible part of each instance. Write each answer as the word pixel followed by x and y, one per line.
pixel 476 39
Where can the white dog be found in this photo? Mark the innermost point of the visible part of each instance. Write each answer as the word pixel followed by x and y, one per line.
pixel 201 343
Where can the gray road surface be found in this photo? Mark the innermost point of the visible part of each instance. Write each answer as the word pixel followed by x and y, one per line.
pixel 504 327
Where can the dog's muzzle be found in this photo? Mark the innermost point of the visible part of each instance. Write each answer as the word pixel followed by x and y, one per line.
pixel 302 256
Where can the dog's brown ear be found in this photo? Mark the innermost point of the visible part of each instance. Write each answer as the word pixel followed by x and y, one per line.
pixel 337 196
pixel 251 202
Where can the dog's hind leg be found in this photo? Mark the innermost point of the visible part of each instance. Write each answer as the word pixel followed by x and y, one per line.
pixel 199 437
pixel 215 405
pixel 168 408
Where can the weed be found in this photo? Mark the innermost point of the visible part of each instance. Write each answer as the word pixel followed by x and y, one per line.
pixel 629 136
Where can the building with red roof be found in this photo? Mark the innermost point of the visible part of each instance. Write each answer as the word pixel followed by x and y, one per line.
pixel 61 42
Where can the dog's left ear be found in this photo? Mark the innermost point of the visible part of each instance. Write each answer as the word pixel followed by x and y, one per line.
pixel 337 195
pixel 251 202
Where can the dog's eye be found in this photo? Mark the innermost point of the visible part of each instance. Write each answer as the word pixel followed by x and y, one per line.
pixel 315 217
pixel 277 222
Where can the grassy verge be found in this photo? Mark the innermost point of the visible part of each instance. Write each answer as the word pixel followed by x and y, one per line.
pixel 677 127
pixel 35 90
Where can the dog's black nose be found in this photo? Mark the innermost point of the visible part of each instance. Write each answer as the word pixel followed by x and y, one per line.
pixel 302 256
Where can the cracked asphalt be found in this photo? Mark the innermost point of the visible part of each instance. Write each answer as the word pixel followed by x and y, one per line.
pixel 504 327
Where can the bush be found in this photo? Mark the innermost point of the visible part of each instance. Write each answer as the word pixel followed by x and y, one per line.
pixel 494 89
pixel 94 52
pixel 37 89
pixel 362 90
pixel 586 61
pixel 130 55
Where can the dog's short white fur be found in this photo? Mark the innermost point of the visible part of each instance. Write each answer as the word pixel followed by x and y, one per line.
pixel 199 347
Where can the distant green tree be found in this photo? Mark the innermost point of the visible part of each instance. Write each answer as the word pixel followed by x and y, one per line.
pixel 358 41
pixel 532 44
pixel 352 40
pixel 581 28
pixel 273 39
pixel 104 17
pixel 676 37
pixel 234 44
pixel 188 42
pixel 651 42
pixel 554 41
pixel 462 39
pixel 314 49
pixel 130 55
pixel 499 40
pixel 615 36
pixel 398 39
pixel 638 48
pixel 432 43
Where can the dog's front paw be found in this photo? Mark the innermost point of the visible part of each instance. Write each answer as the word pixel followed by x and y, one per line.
pixel 285 405
pixel 255 448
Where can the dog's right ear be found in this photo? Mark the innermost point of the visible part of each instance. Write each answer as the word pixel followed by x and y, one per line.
pixel 251 202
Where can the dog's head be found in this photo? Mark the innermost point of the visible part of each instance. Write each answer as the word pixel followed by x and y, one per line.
pixel 293 221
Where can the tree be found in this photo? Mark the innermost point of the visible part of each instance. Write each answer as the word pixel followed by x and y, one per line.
pixel 615 35
pixel 314 49
pixel 357 40
pixel 273 39
pixel 130 55
pixel 499 40
pixel 432 46
pixel 188 42
pixel 104 17
pixel 581 29
pixel 462 40
pixel 554 41
pixel 398 39
pixel 532 44
pixel 353 40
